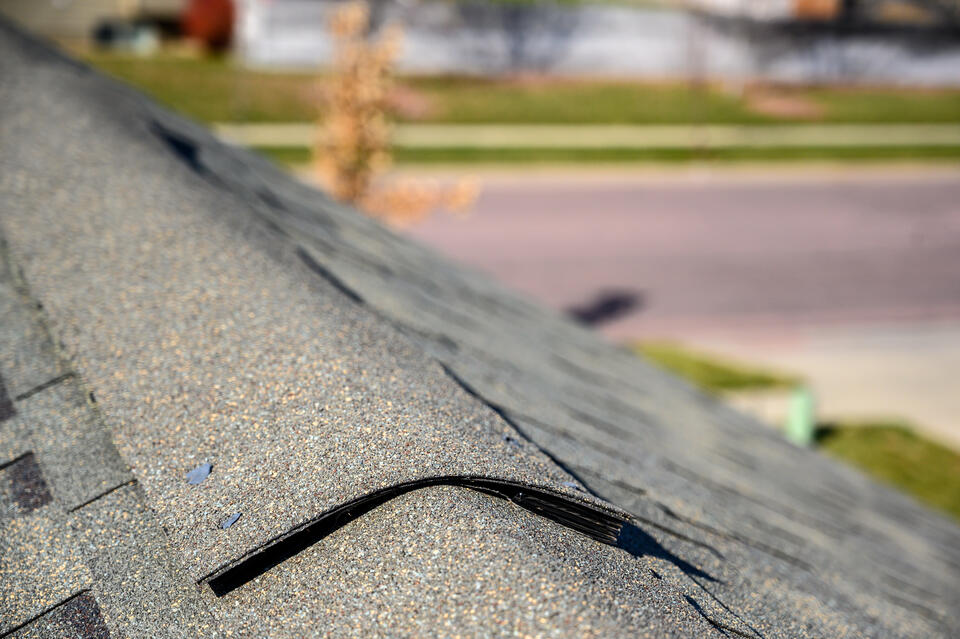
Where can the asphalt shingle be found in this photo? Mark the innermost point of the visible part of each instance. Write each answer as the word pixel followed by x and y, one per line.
pixel 449 561
pixel 78 456
pixel 224 314
pixel 141 593
pixel 40 566
pixel 207 339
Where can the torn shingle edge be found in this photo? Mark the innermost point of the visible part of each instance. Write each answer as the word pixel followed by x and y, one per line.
pixel 589 519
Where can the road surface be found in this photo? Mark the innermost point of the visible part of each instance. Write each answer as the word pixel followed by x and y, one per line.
pixel 851 278
pixel 718 252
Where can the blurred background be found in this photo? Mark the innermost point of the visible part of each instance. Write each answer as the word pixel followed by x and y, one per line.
pixel 762 196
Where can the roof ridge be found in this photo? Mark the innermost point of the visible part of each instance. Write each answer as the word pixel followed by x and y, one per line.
pixel 272 373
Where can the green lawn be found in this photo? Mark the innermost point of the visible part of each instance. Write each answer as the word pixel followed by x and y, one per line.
pixel 292 156
pixel 891 452
pixel 216 90
pixel 710 373
pixel 476 100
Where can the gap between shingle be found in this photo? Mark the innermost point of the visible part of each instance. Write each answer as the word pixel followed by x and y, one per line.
pixel 601 525
pixel 44 386
pixel 108 491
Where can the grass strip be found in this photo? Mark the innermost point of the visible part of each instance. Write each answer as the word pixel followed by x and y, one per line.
pixel 219 90
pixel 411 156
pixel 712 374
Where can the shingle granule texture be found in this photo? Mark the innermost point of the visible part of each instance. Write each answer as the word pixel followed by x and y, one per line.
pixel 208 309
pixel 40 566
pixel 208 340
pixel 76 618
pixel 139 589
pixel 80 461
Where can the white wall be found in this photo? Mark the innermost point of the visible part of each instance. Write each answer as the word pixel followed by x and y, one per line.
pixel 473 36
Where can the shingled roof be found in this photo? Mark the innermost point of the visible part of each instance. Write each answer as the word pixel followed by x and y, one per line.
pixel 230 406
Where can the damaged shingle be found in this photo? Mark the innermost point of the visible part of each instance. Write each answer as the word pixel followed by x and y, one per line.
pixel 200 329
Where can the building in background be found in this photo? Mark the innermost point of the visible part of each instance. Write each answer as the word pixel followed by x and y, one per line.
pixel 75 19
pixel 911 42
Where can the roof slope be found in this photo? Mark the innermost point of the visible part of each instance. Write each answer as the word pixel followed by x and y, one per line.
pixel 365 407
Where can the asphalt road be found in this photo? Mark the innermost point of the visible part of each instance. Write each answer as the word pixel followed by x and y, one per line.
pixel 851 280
pixel 702 252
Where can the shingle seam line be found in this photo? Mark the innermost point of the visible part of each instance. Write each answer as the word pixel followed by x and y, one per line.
pixel 108 491
pixel 502 413
pixel 15 459
pixel 47 611
pixel 44 386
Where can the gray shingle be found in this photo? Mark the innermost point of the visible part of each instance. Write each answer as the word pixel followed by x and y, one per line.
pixel 28 358
pixel 74 448
pixel 40 566
pixel 141 593
pixel 449 561
pixel 225 314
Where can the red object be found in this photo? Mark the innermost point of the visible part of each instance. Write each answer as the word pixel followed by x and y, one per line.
pixel 210 22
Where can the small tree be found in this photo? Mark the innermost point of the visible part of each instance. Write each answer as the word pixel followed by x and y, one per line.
pixel 353 147
pixel 354 144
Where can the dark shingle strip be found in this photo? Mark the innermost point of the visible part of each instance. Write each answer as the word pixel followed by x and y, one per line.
pixel 7 409
pixel 76 618
pixel 27 489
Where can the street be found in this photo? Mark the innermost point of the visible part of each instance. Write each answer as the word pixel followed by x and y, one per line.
pixel 850 277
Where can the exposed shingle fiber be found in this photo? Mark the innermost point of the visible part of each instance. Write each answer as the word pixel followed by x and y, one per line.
pixel 659 429
pixel 597 408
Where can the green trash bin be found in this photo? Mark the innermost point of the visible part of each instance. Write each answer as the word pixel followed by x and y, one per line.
pixel 801 417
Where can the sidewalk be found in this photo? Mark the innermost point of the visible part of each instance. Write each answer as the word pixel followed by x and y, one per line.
pixel 544 136
pixel 887 371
